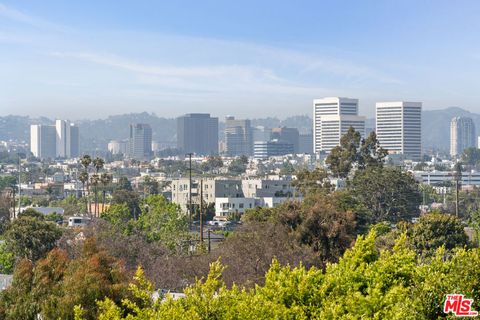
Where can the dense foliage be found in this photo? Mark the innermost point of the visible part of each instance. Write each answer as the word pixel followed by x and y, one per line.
pixel 388 193
pixel 365 283
pixel 30 236
pixel 54 285
pixel 337 254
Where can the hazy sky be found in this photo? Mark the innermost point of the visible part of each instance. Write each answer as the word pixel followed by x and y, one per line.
pixel 90 59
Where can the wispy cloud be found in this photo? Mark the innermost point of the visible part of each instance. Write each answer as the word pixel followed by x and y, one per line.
pixel 18 16
pixel 217 73
pixel 239 71
pixel 15 15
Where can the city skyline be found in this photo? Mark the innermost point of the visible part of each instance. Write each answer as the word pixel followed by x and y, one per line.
pixel 68 61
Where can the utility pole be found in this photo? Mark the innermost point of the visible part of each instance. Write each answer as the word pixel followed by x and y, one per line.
pixel 190 192
pixel 458 178
pixel 12 215
pixel 209 247
pixel 19 186
pixel 201 211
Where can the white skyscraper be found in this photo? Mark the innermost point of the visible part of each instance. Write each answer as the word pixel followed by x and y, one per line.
pixel 462 135
pixel 67 139
pixel 332 117
pixel 399 128
pixel 61 130
pixel 42 141
pixel 54 141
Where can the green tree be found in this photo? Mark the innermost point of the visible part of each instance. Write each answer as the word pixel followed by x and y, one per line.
pixel 162 221
pixel 365 284
pixel 287 168
pixel 238 165
pixel 5 205
pixel 371 153
pixel 150 186
pixel 94 182
pixel 55 285
pixel 6 259
pixel 324 226
pixel 17 301
pixel 7 182
pixel 474 220
pixel 388 193
pixel 83 177
pixel 124 184
pixel 342 158
pixel 354 151
pixel 86 161
pixel 119 215
pixel 105 179
pixel 130 198
pixel 312 181
pixel 30 236
pixel 98 164
pixel 471 156
pixel 212 163
pixel 435 230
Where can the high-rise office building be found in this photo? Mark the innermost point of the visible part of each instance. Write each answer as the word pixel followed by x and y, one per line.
pixel 61 140
pixel 74 141
pixel 238 137
pixel 197 133
pixel 67 139
pixel 261 133
pixel 290 135
pixel 266 149
pixel 43 141
pixel 305 143
pixel 399 128
pixel 140 141
pixel 118 147
pixel 462 135
pixel 332 117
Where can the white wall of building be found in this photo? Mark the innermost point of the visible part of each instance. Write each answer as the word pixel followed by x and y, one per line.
pixel 228 206
pixel 332 117
pixel 399 127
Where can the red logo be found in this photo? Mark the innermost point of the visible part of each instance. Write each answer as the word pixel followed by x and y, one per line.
pixel 459 306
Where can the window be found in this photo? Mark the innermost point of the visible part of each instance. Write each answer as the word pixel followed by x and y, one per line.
pixel 240 205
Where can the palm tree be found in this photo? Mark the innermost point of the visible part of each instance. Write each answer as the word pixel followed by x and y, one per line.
pixel 94 180
pixel 98 164
pixel 83 177
pixel 105 179
pixel 85 161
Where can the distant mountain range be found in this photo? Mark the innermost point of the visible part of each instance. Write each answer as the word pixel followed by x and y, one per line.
pixel 95 134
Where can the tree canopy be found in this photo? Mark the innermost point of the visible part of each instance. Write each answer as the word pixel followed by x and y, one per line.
pixel 387 193
pixel 354 151
pixel 366 283
pixel 30 236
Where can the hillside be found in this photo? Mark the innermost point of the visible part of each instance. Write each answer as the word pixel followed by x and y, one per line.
pixel 95 134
